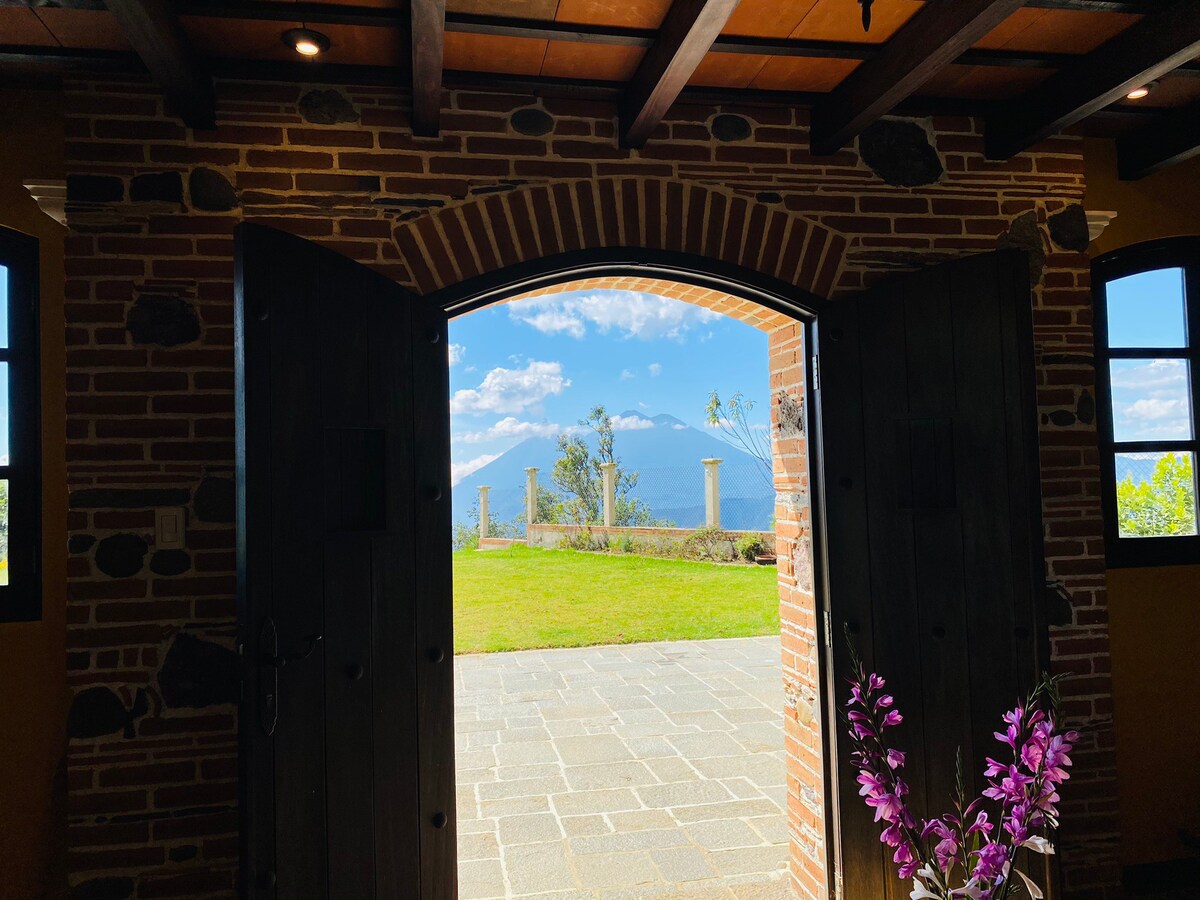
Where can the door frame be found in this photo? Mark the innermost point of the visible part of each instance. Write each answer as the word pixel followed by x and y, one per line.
pixel 772 293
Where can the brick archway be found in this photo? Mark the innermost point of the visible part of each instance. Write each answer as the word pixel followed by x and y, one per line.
pixel 500 230
pixel 487 236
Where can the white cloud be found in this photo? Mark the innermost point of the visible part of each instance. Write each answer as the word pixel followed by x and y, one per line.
pixel 629 313
pixel 510 427
pixel 457 352
pixel 626 375
pixel 1157 373
pixel 1152 408
pixel 679 426
pixel 655 369
pixel 512 390
pixel 631 423
pixel 460 470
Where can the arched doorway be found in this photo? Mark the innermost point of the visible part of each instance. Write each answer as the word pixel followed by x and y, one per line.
pixel 785 314
pixel 925 525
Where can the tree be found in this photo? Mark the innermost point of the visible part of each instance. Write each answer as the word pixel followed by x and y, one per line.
pixel 733 419
pixel 1164 505
pixel 578 473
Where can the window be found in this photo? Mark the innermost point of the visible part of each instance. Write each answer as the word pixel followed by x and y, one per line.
pixel 1147 366
pixel 20 455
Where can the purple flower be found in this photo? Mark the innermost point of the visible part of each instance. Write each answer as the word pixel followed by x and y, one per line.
pixel 992 861
pixel 895 759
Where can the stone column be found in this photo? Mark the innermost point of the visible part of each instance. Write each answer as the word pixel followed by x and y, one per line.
pixel 531 492
pixel 712 492
pixel 483 511
pixel 609 471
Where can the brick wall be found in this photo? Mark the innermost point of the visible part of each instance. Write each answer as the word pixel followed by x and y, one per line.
pixel 150 407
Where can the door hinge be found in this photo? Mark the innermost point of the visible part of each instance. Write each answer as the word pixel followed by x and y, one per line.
pixel 828 628
pixel 816 371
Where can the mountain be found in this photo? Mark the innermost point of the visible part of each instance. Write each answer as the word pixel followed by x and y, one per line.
pixel 666 454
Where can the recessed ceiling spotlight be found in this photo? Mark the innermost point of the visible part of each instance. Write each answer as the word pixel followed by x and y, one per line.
pixel 1141 93
pixel 305 41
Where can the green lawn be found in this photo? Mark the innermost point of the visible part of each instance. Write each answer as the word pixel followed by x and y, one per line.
pixel 521 598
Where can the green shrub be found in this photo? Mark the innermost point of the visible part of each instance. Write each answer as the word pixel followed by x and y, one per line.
pixel 749 546
pixel 709 543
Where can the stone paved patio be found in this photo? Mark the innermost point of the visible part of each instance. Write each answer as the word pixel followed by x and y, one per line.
pixel 647 770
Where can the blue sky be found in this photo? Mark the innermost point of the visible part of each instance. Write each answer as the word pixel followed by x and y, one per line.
pixel 534 367
pixel 3 366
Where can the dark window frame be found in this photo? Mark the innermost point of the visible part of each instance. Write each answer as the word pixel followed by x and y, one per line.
pixel 21 599
pixel 1169 253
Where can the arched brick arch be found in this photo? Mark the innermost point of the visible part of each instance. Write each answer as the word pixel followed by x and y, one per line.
pixel 499 230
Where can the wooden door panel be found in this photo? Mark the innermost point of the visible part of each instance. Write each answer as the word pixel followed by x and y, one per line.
pixel 933 521
pixel 328 484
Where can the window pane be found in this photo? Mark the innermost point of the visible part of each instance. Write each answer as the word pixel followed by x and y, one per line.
pixel 1147 310
pixel 1156 494
pixel 3 306
pixel 4 414
pixel 1151 400
pixel 3 531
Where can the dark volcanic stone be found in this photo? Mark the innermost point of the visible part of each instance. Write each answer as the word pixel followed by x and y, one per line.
pixel 97 711
pixel 1062 418
pixel 198 673
pixel 1058 607
pixel 768 197
pixel 80 543
pixel 170 562
pixel 532 121
pixel 166 321
pixel 1085 408
pixel 1069 228
pixel 327 108
pixel 727 127
pixel 1024 234
pixel 121 555
pixel 899 152
pixel 211 191
pixel 166 186
pixel 128 498
pixel 215 500
pixel 110 887
pixel 94 188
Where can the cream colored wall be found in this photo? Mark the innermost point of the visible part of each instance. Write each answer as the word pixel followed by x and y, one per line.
pixel 1154 613
pixel 33 694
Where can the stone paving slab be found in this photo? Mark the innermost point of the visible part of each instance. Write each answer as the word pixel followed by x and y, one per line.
pixel 638 771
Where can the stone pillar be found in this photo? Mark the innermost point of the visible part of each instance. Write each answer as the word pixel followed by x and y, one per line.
pixel 483 511
pixel 609 471
pixel 712 492
pixel 531 492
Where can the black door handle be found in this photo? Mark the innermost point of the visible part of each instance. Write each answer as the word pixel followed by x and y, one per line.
pixel 281 660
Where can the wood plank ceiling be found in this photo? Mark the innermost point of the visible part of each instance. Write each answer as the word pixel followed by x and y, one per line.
pixel 1030 68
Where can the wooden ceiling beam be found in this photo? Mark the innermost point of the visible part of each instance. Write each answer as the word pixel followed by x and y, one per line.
pixel 686 36
pixel 428 24
pixel 932 39
pixel 1148 49
pixel 156 35
pixel 1170 139
pixel 608 35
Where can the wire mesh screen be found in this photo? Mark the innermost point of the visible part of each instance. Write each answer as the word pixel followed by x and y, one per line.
pixel 671 496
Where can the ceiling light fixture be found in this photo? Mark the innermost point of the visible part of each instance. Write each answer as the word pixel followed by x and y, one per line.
pixel 305 41
pixel 1141 93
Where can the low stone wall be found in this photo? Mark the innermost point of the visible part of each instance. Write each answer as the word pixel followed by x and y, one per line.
pixel 545 535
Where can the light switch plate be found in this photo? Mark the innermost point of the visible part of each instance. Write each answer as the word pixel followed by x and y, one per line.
pixel 169 527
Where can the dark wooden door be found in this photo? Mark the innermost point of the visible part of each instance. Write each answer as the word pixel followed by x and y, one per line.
pixel 933 521
pixel 344 579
